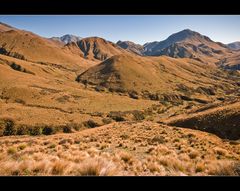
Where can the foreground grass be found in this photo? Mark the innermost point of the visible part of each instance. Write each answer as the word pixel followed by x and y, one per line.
pixel 120 149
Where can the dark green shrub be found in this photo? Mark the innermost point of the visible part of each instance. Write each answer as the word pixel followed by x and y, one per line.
pixel 48 130
pixel 117 116
pixel 90 124
pixel 22 129
pixel 35 130
pixel 133 94
pixel 10 128
pixel 67 128
pixel 16 66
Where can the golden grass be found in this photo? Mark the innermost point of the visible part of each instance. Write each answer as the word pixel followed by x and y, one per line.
pixel 96 152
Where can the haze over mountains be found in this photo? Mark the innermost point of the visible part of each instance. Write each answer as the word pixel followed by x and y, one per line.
pixel 158 105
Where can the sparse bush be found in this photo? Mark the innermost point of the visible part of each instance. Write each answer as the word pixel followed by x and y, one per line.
pixel 133 94
pixel 153 96
pixel 9 126
pixel 19 68
pixel 48 130
pixel 52 146
pixel 200 167
pixel 201 101
pixel 35 130
pixel 118 89
pixel 99 88
pixel 97 167
pixel 153 167
pixel 77 126
pixel 16 66
pixel 221 98
pixel 20 101
pixel 91 124
pixel 225 168
pixel 12 150
pixel 193 154
pixel 98 114
pixel 59 167
pixel 159 139
pixel 220 151
pixel 126 157
pixel 124 136
pixel 176 140
pixel 63 141
pixel 138 115
pixel 22 147
pixel 67 128
pixel 22 129
pixel 106 120
pixel 117 116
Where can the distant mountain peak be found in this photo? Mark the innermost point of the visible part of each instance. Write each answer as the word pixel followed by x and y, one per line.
pixel 67 38
pixel 131 46
pixel 185 35
pixel 234 45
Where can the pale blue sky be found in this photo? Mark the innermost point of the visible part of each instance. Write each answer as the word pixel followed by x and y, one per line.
pixel 139 29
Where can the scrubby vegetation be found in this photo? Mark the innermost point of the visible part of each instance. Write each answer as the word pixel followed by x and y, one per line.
pixel 9 127
pixel 120 149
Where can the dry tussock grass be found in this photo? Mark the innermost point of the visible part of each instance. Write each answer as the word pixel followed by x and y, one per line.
pixel 97 152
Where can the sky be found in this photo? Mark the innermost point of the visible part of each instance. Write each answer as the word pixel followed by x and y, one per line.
pixel 137 28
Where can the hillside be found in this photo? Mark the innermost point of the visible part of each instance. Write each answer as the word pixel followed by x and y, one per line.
pixel 28 46
pixel 132 47
pixel 4 27
pixel 158 78
pixel 231 63
pixel 98 48
pixel 222 120
pixel 234 45
pixel 143 148
pixel 32 93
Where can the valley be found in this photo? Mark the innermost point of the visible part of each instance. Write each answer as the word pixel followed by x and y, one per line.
pixel 87 106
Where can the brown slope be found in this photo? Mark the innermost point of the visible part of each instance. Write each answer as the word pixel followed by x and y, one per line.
pixel 132 47
pixel 4 27
pixel 157 76
pixel 98 48
pixel 28 46
pixel 232 62
pixel 33 93
pixel 222 120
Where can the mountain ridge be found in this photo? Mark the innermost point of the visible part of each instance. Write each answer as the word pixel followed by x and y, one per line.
pixel 67 38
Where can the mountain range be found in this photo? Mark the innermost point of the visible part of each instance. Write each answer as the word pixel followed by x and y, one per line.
pixel 158 104
pixel 185 44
